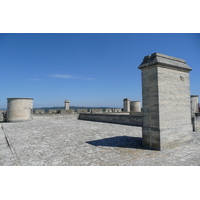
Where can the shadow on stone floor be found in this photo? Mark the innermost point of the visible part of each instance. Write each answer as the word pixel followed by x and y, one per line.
pixel 119 141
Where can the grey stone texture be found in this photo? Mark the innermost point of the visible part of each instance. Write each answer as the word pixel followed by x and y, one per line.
pixel 66 104
pixel 96 111
pixel 108 110
pixel 126 102
pixel 113 118
pixel 62 140
pixel 166 101
pixel 39 111
pixel 117 110
pixel 165 61
pixel 135 106
pixel 113 110
pixel 82 111
pixel 52 111
pixel 63 111
pixel 19 109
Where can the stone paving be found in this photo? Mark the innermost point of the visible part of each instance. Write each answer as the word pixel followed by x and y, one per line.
pixel 65 141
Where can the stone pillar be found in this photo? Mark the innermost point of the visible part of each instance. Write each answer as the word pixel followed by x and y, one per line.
pixel 66 104
pixel 126 105
pixel 19 109
pixel 166 101
pixel 135 106
pixel 194 104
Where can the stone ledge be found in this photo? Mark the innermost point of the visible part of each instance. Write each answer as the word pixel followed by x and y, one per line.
pixel 164 60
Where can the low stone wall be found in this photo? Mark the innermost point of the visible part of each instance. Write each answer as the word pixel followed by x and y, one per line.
pixel 96 111
pixel 63 111
pixel 115 113
pixel 55 117
pixel 82 110
pixel 116 119
pixel 39 111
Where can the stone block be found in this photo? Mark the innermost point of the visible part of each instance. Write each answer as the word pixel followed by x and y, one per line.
pixel 63 111
pixel 39 111
pixel 53 111
pixel 96 110
pixel 82 111
pixel 117 110
pixel 108 110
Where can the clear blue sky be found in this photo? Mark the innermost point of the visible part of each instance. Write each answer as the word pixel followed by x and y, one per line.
pixel 87 69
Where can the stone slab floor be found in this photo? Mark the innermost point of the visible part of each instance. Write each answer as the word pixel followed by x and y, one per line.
pixel 66 141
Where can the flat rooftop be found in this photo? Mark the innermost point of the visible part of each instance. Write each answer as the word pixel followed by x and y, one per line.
pixel 58 140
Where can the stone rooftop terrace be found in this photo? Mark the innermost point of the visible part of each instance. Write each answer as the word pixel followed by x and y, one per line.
pixel 65 141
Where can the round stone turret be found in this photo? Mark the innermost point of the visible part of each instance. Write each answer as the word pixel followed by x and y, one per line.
pixel 135 106
pixel 19 109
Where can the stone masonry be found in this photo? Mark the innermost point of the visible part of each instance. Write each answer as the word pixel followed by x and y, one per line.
pixel 126 105
pixel 166 101
pixel 62 140
pixel 66 104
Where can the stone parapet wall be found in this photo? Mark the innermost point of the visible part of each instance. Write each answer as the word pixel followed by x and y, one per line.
pixel 115 113
pixel 113 110
pixel 96 111
pixel 82 110
pixel 55 117
pixel 39 111
pixel 116 119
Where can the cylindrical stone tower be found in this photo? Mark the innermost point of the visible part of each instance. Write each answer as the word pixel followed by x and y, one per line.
pixel 135 106
pixel 66 104
pixel 126 105
pixel 194 104
pixel 19 109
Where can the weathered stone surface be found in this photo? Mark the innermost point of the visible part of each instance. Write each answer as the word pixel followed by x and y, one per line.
pixel 82 111
pixel 117 110
pixel 135 106
pixel 126 105
pixel 19 109
pixel 164 61
pixel 62 112
pixel 66 104
pixel 113 110
pixel 166 101
pixel 113 118
pixel 96 111
pixel 39 111
pixel 108 110
pixel 53 111
pixel 62 140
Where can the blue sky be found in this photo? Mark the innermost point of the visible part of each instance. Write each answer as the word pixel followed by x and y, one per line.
pixel 87 69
